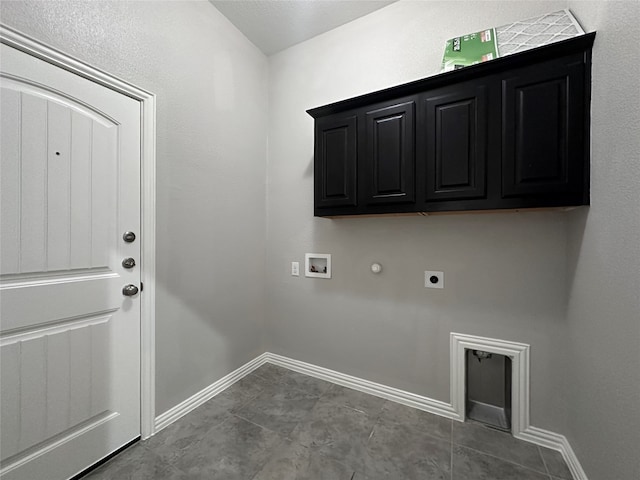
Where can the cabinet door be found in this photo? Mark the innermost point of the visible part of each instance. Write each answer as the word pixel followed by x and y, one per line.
pixel 389 163
pixel 455 142
pixel 543 130
pixel 335 161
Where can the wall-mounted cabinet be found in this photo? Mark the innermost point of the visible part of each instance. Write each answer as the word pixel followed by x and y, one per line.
pixel 506 134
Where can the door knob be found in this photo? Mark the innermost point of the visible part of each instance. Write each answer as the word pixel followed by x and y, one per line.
pixel 128 262
pixel 129 290
pixel 128 237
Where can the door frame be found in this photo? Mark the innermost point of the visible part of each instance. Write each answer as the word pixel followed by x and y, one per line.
pixel 26 44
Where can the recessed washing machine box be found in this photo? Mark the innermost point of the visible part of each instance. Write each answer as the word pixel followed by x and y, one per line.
pixel 488 388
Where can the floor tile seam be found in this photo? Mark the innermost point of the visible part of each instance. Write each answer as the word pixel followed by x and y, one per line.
pixel 202 437
pixel 340 404
pixel 552 475
pixel 433 437
pixel 501 458
pixel 213 427
pixel 416 429
pixel 227 412
pixel 279 434
pixel 451 453
pixel 244 403
pixel 544 462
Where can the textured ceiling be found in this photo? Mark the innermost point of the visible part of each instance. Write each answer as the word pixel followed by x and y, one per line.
pixel 273 25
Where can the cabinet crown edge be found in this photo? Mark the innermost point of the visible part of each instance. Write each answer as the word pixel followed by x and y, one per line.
pixel 581 43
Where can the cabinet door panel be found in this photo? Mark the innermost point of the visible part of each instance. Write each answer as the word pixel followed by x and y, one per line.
pixel 390 155
pixel 543 131
pixel 456 143
pixel 335 162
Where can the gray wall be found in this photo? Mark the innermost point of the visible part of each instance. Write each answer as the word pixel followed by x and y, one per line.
pixel 604 257
pixel 211 91
pixel 505 274
pixel 567 283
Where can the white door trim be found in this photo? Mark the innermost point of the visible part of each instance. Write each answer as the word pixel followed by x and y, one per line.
pixel 147 100
pixel 519 354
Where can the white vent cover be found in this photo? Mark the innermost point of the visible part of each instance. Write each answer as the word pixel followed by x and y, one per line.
pixel 535 32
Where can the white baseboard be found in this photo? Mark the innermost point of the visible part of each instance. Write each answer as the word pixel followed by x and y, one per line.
pixel 430 405
pixel 531 434
pixel 207 393
pixel 558 442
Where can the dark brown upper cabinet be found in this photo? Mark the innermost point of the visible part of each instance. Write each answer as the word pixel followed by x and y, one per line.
pixel 511 133
pixel 543 133
pixel 335 161
pixel 455 140
pixel 389 163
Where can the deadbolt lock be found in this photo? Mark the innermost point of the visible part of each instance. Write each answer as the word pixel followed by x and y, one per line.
pixel 128 237
pixel 128 262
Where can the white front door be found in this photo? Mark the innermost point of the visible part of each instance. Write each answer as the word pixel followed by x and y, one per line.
pixel 69 338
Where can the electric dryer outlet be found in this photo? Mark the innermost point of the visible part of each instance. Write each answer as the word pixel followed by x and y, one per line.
pixel 433 279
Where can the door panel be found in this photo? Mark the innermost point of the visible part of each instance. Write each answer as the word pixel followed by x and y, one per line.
pixel 456 143
pixel 335 162
pixel 69 339
pixel 543 135
pixel 59 186
pixel 390 155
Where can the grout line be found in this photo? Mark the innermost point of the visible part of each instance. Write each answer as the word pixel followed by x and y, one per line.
pixel 500 458
pixel 256 424
pixel 377 419
pixel 451 459
pixel 543 460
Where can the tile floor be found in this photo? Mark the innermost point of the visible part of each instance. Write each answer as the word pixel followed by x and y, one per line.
pixel 276 424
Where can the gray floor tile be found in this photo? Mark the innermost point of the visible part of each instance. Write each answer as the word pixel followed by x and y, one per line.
pixel 293 461
pixel 279 409
pixel 311 385
pixel 177 438
pixel 556 465
pixel 434 425
pixel 234 450
pixel 137 463
pixel 271 372
pixel 241 392
pixel 336 431
pixel 348 397
pixel 469 464
pixel 401 452
pixel 279 424
pixel 499 444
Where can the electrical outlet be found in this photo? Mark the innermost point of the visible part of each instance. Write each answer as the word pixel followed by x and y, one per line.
pixel 295 269
pixel 433 279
